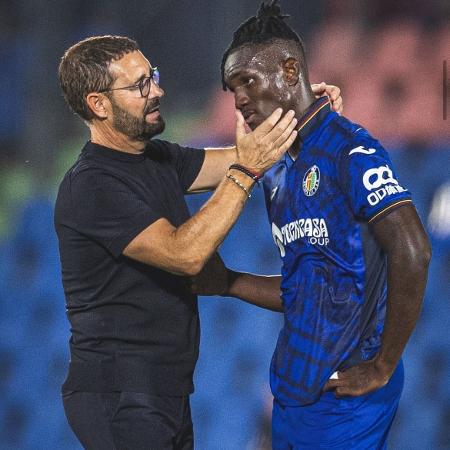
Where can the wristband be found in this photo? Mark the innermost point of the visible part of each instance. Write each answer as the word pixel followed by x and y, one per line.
pixel 236 181
pixel 254 176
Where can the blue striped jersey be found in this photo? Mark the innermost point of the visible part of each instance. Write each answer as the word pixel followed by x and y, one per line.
pixel 320 208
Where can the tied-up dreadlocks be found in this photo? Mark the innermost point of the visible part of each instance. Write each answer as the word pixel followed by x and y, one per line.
pixel 268 24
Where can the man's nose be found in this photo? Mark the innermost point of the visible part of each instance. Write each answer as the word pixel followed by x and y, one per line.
pixel 241 98
pixel 156 90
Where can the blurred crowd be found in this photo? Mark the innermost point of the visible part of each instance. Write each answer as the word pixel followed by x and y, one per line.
pixel 388 60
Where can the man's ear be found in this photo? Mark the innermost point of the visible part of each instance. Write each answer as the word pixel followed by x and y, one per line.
pixel 96 103
pixel 291 71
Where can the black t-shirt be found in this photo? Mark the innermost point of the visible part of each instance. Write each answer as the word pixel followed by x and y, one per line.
pixel 134 327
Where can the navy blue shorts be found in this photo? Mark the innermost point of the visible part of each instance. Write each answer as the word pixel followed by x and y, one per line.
pixel 356 423
pixel 129 421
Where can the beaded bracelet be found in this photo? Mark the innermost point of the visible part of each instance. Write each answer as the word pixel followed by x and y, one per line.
pixel 254 176
pixel 235 180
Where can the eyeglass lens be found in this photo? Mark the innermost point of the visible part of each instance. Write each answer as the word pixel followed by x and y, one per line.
pixel 145 84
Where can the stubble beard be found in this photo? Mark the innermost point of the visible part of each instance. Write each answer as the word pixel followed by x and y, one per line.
pixel 135 127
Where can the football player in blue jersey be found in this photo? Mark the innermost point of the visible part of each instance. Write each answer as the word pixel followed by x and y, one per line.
pixel 354 253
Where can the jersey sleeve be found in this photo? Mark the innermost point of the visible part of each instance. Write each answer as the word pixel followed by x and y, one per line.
pixel 186 160
pixel 108 211
pixel 368 179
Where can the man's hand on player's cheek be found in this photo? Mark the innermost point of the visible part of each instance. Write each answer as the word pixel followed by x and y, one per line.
pixel 358 380
pixel 332 92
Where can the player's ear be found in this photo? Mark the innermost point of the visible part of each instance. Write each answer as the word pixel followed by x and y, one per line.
pixel 97 104
pixel 291 71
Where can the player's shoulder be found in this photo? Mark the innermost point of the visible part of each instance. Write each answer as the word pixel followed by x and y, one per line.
pixel 354 140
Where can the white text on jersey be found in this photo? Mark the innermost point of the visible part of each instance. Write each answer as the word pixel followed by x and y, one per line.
pixel 314 230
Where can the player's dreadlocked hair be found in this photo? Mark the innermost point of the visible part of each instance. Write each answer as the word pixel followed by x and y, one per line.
pixel 268 24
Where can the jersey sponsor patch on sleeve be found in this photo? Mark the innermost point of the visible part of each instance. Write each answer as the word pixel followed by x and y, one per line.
pixel 380 183
pixel 369 180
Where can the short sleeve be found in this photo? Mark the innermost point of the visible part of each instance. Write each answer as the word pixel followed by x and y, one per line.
pixel 108 211
pixel 186 160
pixel 368 179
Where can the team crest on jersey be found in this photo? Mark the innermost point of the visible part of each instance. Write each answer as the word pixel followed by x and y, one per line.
pixel 311 181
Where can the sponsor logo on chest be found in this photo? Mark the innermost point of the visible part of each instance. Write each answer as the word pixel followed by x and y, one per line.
pixel 313 230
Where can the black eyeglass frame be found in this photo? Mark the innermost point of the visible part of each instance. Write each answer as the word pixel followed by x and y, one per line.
pixel 143 84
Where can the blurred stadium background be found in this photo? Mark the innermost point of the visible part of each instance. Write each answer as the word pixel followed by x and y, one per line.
pixel 388 59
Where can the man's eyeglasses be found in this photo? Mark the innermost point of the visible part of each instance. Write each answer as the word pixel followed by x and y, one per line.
pixel 143 85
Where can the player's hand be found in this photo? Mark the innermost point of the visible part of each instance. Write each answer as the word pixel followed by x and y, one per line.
pixel 332 92
pixel 263 147
pixel 361 379
pixel 212 280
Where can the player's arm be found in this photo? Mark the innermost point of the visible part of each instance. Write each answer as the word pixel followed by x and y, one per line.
pixel 258 290
pixel 403 239
pixel 185 249
pixel 217 160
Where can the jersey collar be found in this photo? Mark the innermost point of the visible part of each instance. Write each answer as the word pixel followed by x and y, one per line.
pixel 313 116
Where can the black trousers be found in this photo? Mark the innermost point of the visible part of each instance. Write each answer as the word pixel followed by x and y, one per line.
pixel 129 421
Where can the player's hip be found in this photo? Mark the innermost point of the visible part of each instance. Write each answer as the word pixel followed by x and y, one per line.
pixel 352 422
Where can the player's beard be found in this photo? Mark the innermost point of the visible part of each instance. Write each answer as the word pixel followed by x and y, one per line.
pixel 133 126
